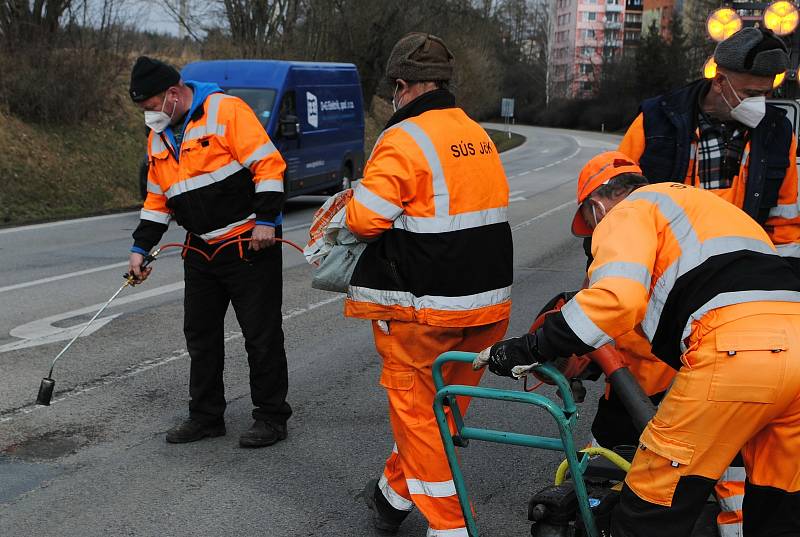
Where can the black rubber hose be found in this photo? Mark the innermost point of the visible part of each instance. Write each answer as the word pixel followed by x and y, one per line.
pixel 639 406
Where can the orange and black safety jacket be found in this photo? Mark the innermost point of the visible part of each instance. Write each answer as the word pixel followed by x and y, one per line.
pixel 434 198
pixel 223 177
pixel 664 257
pixel 663 139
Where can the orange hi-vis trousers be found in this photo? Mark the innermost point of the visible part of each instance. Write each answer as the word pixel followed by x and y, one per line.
pixel 417 473
pixel 738 390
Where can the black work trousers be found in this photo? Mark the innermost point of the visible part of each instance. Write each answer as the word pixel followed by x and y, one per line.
pixel 252 282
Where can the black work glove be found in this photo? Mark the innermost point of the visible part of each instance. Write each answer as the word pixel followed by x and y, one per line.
pixel 504 355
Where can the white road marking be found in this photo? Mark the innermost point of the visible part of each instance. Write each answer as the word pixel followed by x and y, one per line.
pixel 516 198
pixel 147 365
pixel 42 331
pixel 530 221
pixel 101 268
pixel 66 222
pixel 68 275
pixel 557 162
pixel 524 173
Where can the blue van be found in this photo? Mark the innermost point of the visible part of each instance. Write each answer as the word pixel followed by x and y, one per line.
pixel 313 112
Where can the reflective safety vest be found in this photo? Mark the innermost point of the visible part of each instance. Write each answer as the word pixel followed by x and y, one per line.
pixel 664 257
pixel 225 175
pixel 435 198
pixel 663 140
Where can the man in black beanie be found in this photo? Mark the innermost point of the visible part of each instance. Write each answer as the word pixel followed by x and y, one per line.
pixel 213 169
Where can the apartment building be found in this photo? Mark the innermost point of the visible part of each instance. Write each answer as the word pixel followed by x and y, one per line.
pixel 584 34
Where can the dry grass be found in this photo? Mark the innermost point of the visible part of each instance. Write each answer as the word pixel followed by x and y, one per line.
pixel 48 173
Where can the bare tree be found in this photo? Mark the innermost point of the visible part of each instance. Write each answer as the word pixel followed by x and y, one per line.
pixel 22 20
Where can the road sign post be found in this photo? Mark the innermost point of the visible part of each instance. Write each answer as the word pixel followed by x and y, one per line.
pixel 507 111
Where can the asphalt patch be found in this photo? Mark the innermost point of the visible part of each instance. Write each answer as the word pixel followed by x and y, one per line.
pixel 51 445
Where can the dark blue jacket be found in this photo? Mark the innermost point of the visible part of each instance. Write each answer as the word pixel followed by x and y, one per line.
pixel 670 123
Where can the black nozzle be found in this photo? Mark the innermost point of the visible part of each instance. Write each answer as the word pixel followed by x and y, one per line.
pixel 45 391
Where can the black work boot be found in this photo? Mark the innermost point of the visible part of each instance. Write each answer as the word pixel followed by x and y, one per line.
pixel 262 434
pixel 385 518
pixel 193 430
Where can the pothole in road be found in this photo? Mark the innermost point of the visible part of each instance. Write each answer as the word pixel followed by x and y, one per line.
pixel 52 444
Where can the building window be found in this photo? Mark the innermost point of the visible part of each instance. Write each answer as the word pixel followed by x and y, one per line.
pixel 588 34
pixel 586 86
pixel 589 16
pixel 631 36
pixel 587 51
pixel 586 68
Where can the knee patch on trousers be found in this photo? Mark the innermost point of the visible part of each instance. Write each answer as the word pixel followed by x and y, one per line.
pixel 658 466
pixel 636 517
pixel 769 511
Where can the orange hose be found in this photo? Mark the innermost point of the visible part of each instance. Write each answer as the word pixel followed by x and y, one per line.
pixel 211 257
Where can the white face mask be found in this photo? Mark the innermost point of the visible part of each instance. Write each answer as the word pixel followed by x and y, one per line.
pixel 158 121
pixel 749 111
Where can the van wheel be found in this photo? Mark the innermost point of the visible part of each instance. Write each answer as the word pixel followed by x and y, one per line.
pixel 347 177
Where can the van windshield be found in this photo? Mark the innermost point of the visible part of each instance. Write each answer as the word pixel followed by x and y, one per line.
pixel 260 100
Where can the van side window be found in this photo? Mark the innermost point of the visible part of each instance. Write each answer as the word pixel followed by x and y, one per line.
pixel 288 111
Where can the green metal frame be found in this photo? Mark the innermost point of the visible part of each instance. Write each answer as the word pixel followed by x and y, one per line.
pixel 565 416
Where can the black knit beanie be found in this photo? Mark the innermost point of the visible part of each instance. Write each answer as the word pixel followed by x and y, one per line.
pixel 150 77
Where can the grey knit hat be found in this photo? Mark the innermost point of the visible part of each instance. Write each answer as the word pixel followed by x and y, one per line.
pixel 754 51
pixel 419 57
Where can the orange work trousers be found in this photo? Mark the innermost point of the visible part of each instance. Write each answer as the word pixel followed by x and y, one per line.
pixel 738 389
pixel 416 473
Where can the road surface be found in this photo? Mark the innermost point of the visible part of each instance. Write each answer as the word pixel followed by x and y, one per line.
pixel 95 463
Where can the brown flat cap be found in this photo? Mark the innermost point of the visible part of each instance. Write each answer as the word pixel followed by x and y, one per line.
pixel 420 57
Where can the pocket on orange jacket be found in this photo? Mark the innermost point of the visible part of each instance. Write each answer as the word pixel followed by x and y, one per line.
pixel 658 466
pixel 400 390
pixel 749 366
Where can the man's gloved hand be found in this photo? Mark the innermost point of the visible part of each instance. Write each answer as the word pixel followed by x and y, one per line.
pixel 504 355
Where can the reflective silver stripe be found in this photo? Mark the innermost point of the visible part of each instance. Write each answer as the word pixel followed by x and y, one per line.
pixel 199 181
pixel 456 532
pixel 443 224
pixel 154 216
pixel 222 231
pixel 203 130
pixel 154 188
pixel 376 204
pixel 264 151
pixel 785 211
pixel 693 253
pixel 623 269
pixel 583 326
pixel 734 473
pixel 394 499
pixel 441 196
pixel 432 489
pixel 731 503
pixel 394 448
pixel 269 185
pixel 214 102
pixel 157 145
pixel 730 530
pixel 444 303
pixel 737 297
pixel 788 250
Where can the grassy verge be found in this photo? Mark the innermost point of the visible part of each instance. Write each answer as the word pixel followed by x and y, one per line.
pixel 51 173
pixel 47 173
pixel 502 140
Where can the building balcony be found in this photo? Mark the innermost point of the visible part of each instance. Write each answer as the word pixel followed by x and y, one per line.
pixel 614 8
pixel 615 43
pixel 609 25
pixel 633 25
